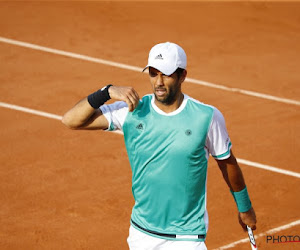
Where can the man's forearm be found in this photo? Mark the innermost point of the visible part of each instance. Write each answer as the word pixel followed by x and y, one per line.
pixel 86 113
pixel 234 178
pixel 78 115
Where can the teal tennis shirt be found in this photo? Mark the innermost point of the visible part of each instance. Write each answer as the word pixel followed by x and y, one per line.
pixel 168 154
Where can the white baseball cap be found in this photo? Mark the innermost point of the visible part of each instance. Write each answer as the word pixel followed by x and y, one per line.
pixel 166 57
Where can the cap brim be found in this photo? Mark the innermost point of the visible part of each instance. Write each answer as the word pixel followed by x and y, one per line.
pixel 145 68
pixel 165 72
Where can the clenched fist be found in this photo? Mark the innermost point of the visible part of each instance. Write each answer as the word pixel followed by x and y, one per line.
pixel 126 94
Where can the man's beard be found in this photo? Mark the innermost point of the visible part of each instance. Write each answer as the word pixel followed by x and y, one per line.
pixel 170 98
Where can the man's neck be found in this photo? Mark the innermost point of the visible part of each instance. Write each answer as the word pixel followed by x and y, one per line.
pixel 168 108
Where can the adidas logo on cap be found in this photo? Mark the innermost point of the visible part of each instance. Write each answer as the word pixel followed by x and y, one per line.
pixel 159 57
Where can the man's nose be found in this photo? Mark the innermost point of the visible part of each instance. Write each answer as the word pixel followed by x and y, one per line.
pixel 160 80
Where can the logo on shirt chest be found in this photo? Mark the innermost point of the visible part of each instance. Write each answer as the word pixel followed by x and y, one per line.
pixel 139 126
pixel 188 132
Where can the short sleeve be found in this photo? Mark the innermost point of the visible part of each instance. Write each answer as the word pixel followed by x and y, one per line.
pixel 115 114
pixel 218 142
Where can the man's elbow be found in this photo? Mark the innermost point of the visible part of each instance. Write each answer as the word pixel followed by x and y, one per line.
pixel 70 123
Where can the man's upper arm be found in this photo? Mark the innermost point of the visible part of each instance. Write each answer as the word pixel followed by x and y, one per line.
pixel 108 117
pixel 218 141
pixel 115 115
pixel 96 121
pixel 231 160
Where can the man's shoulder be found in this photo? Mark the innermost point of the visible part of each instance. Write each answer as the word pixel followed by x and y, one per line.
pixel 201 106
pixel 214 113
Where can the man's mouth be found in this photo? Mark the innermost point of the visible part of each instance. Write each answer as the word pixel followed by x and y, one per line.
pixel 160 92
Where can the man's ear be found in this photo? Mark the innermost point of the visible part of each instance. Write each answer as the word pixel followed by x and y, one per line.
pixel 183 76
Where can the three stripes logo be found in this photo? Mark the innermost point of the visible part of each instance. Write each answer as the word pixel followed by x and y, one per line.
pixel 159 57
pixel 140 126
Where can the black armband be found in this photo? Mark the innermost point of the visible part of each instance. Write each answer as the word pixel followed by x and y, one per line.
pixel 99 97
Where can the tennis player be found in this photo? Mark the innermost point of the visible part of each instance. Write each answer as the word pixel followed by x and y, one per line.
pixel 169 137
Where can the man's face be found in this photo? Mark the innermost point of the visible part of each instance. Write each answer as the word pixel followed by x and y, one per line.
pixel 165 88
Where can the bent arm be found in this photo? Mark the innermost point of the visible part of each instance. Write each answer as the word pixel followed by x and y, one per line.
pixel 233 176
pixel 83 116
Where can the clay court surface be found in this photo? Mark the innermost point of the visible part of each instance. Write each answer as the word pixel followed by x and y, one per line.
pixel 64 189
